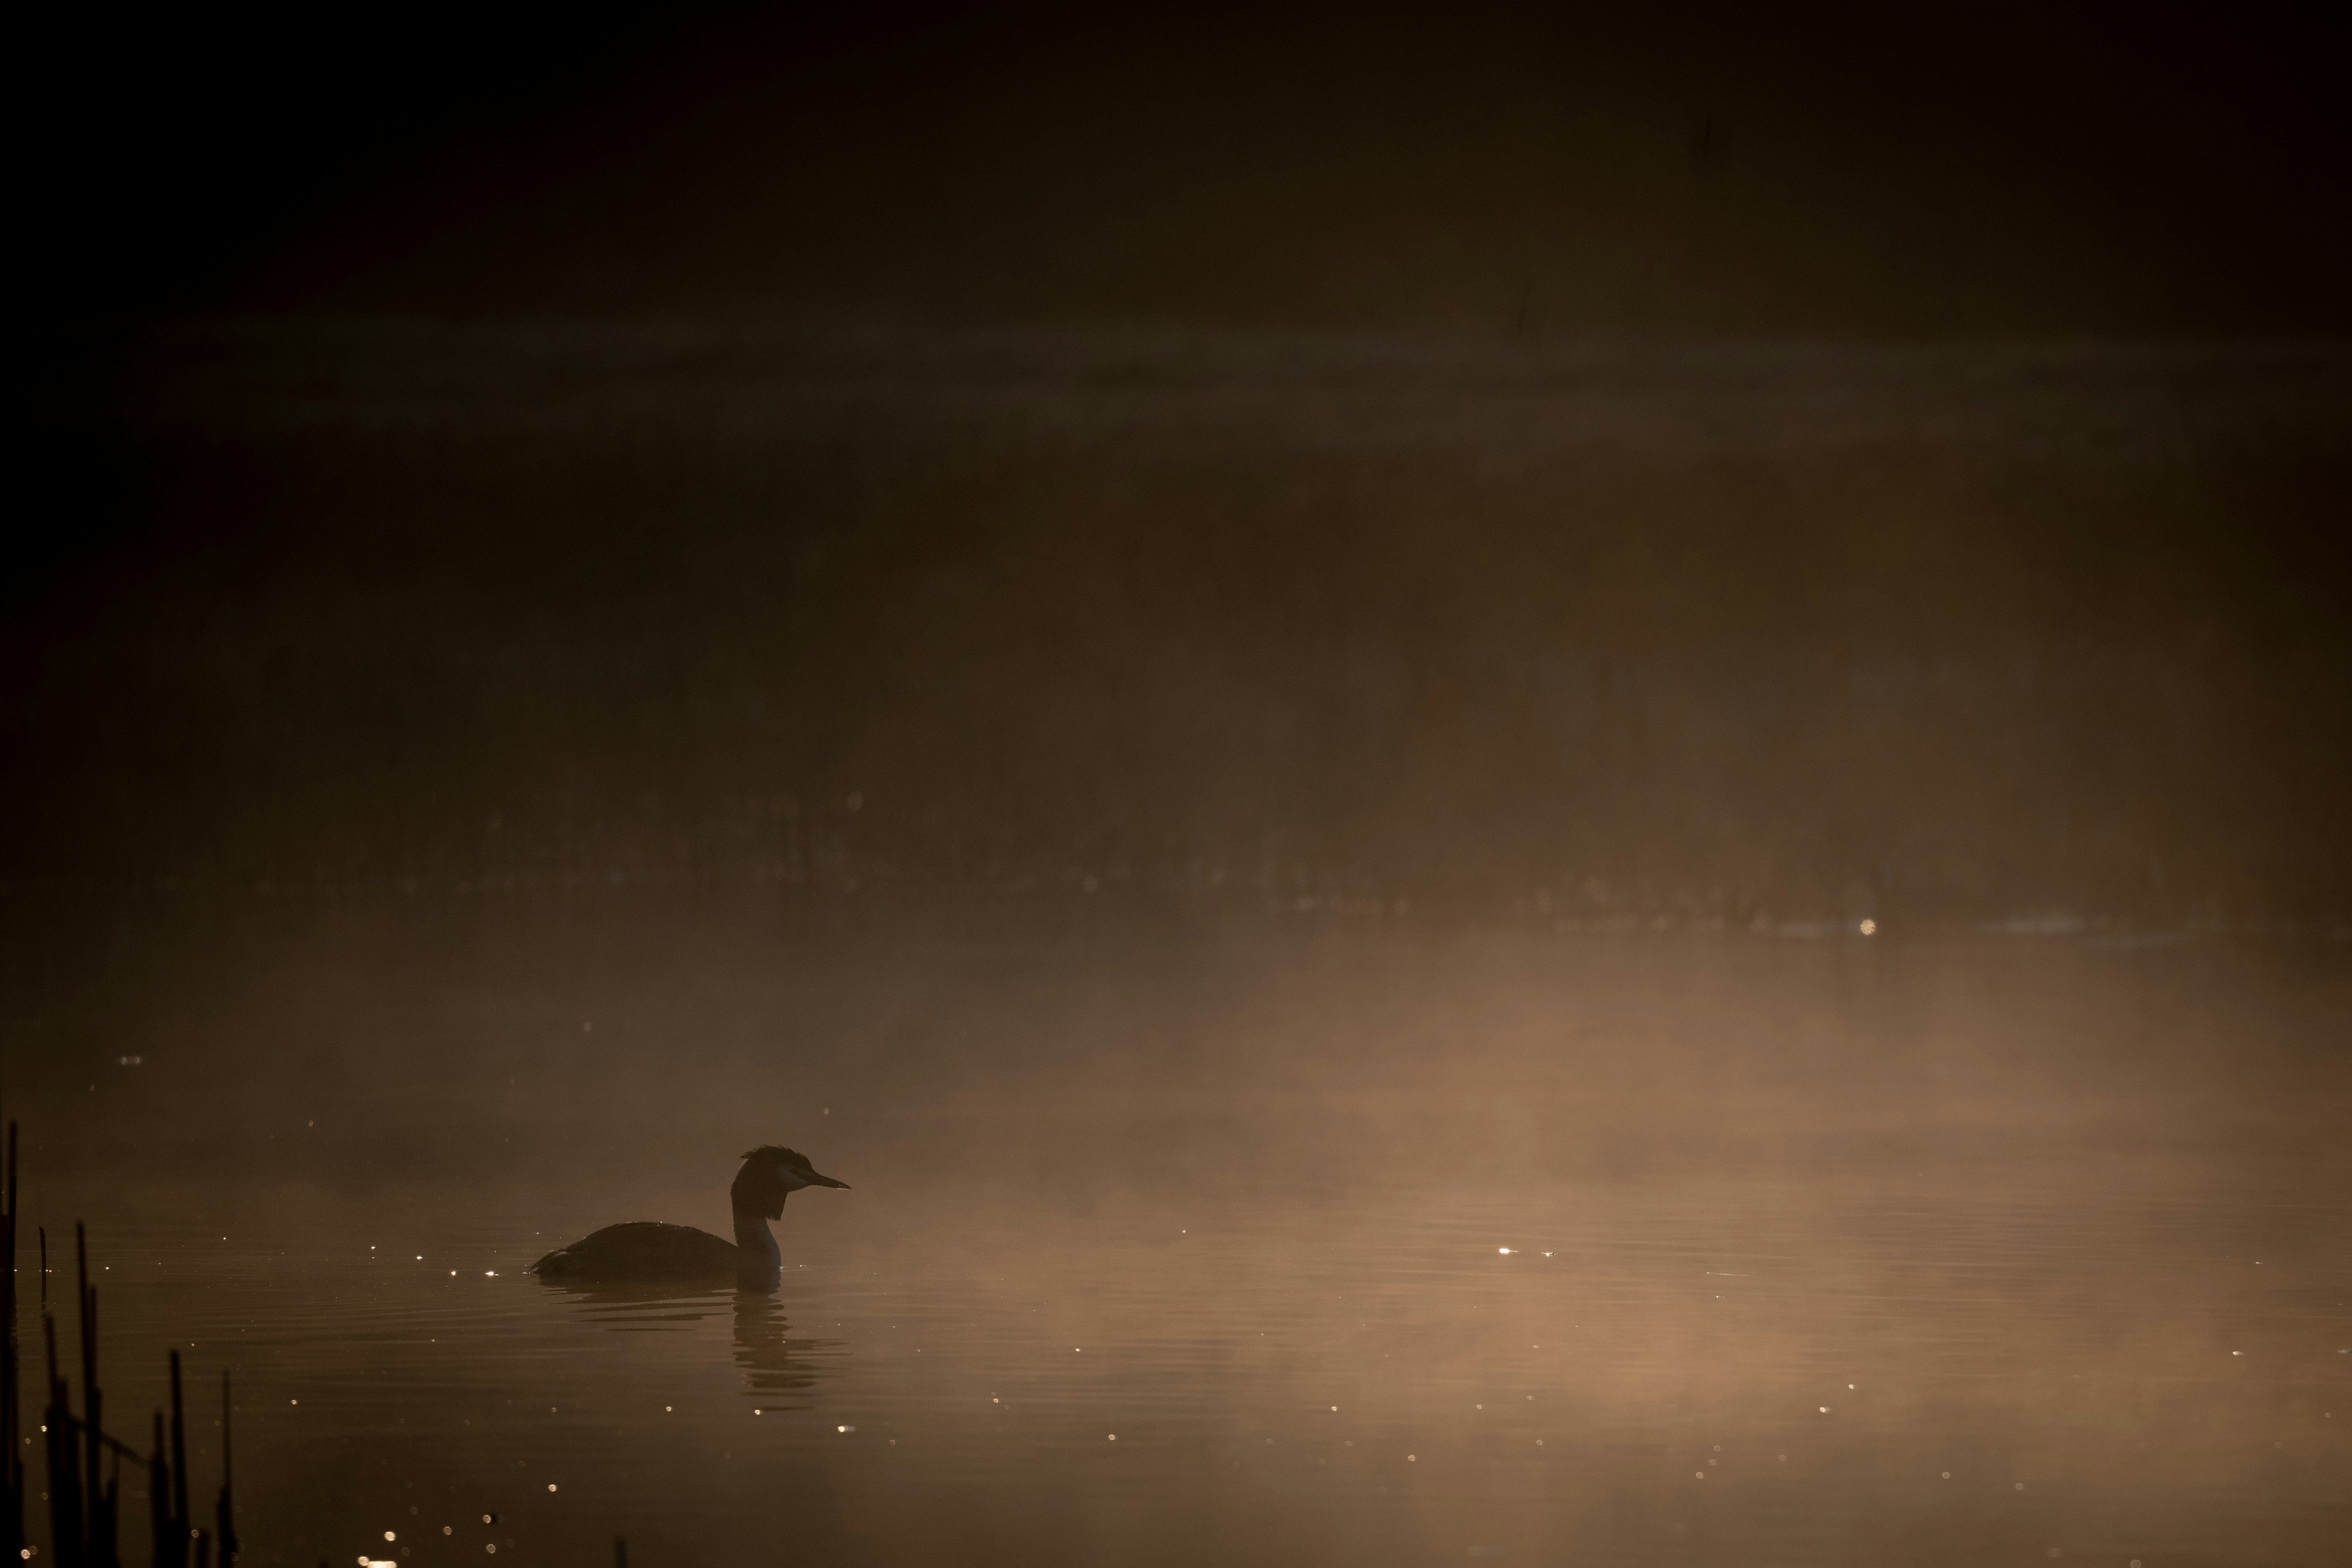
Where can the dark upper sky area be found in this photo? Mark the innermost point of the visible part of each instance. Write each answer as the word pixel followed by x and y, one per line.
pixel 1973 170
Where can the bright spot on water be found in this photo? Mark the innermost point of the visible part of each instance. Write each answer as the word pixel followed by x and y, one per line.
pixel 1869 927
pixel 1947 1474
pixel 1335 1410
pixel 290 1402
pixel 1412 1459
pixel 1114 1436
pixel 390 1536
pixel 1825 1410
pixel 1504 1250
pixel 2020 1486
pixel 447 1530
pixel 845 1428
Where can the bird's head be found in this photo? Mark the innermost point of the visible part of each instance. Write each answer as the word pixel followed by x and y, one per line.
pixel 770 1175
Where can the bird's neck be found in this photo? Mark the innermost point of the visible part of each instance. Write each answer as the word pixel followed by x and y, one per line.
pixel 759 1263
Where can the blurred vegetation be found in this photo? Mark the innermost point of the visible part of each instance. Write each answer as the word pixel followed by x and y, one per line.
pixel 1715 630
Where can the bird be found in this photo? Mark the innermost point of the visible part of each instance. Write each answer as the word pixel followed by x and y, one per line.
pixel 649 1249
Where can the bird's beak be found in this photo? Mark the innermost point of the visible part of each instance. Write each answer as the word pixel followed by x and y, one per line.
pixel 827 1182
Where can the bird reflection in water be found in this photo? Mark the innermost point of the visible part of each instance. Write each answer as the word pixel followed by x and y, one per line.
pixel 778 1370
pixel 776 1367
pixel 644 1309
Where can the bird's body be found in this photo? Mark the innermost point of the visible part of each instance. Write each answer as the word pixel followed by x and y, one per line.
pixel 650 1250
pixel 643 1250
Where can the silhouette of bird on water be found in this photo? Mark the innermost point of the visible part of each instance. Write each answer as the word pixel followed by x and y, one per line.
pixel 648 1249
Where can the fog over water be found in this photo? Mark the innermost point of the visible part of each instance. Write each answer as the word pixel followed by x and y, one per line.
pixel 2050 1212
pixel 1560 788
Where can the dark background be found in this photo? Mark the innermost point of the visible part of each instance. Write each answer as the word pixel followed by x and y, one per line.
pixel 1808 463
pixel 1982 169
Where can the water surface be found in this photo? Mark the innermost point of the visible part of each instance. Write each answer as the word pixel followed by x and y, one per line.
pixel 1179 1237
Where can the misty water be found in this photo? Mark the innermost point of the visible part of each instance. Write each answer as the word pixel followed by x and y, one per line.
pixel 1183 1231
pixel 1564 789
pixel 1315 890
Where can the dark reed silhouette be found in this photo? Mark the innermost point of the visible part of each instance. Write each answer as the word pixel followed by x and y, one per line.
pixel 85 1464
pixel 649 1249
pixel 167 1489
pixel 12 1464
pixel 84 1492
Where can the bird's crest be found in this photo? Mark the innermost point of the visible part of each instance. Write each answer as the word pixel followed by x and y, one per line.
pixel 778 1151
